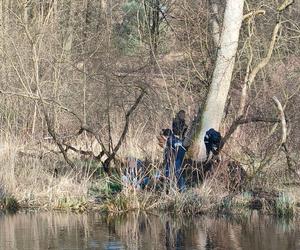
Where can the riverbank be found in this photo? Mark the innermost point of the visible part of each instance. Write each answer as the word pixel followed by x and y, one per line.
pixel 45 182
pixel 8 203
pixel 203 200
pixel 110 197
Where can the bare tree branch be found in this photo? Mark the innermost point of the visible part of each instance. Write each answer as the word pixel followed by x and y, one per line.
pixel 282 118
pixel 284 146
pixel 285 4
pixel 242 120
pixel 125 130
pixel 265 61
pixel 249 79
pixel 98 138
pixel 83 152
pixel 254 13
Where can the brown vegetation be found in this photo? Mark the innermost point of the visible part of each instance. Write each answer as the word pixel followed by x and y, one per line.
pixel 85 83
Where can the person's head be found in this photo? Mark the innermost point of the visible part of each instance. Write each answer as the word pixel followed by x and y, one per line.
pixel 181 114
pixel 166 132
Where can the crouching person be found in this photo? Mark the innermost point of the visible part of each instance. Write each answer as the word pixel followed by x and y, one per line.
pixel 174 153
pixel 212 141
pixel 134 174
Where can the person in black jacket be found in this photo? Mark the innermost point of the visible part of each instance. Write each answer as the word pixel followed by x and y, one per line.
pixel 212 140
pixel 179 127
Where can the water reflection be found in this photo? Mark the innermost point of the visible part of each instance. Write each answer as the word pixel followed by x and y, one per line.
pixel 143 231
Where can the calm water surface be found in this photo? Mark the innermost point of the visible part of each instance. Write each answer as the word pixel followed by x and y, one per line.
pixel 43 231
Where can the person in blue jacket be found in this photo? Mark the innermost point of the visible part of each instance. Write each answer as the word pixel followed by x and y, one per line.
pixel 174 153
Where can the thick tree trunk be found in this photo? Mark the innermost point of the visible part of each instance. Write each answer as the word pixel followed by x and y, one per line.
pixel 215 25
pixel 212 113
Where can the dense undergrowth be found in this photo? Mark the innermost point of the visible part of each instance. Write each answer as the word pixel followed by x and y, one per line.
pixel 47 183
pixel 204 199
pixel 8 202
pixel 110 197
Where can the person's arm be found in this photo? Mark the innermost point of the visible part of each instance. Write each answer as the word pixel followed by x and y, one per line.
pixel 175 126
pixel 185 128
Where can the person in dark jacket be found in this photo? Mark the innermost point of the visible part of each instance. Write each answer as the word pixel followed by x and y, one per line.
pixel 174 153
pixel 212 140
pixel 179 127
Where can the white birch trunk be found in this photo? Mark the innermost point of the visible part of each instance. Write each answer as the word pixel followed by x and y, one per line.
pixel 214 107
pixel 214 23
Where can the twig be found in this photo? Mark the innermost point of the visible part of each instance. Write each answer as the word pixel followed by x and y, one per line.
pixel 254 13
pixel 285 4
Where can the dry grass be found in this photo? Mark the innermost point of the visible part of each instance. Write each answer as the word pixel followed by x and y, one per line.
pixel 31 180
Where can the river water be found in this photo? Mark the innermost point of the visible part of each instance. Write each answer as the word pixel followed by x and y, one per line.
pixel 35 231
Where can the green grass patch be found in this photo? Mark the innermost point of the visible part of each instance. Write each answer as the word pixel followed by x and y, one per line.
pixel 10 204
